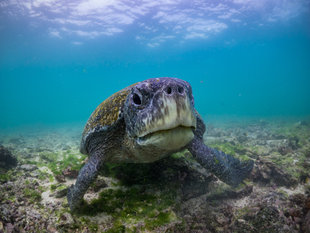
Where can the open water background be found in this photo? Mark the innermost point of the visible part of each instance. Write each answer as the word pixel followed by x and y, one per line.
pixel 244 59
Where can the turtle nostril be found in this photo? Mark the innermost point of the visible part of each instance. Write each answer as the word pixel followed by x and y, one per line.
pixel 168 90
pixel 180 90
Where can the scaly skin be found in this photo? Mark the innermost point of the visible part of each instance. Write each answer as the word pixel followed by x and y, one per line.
pixel 86 176
pixel 227 168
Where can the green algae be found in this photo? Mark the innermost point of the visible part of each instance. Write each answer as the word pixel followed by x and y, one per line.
pixel 51 178
pixel 117 228
pixel 160 220
pixel 236 150
pixel 147 216
pixel 290 163
pixel 132 206
pixel 240 213
pixel 69 160
pixel 185 154
pixel 53 187
pixel 5 177
pixel 57 162
pixel 49 157
pixel 295 161
pixel 57 187
pixel 10 175
pixel 145 196
pixel 218 190
pixel 32 195
pixel 298 135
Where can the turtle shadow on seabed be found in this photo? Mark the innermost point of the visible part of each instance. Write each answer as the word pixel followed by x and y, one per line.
pixel 175 178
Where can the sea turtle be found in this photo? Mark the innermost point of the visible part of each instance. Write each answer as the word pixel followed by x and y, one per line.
pixel 145 122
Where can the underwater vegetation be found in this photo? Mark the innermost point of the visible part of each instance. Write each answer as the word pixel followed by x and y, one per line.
pixel 175 194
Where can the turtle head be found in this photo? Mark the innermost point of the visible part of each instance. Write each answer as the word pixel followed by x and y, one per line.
pixel 159 113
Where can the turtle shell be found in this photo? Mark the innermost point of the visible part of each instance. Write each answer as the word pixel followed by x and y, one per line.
pixel 105 115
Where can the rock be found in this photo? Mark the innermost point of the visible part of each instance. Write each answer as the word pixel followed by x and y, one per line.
pixel 295 212
pixel 69 172
pixel 34 214
pixel 60 178
pixel 41 149
pixel 35 173
pixel 263 123
pixel 9 227
pixel 306 223
pixel 1 227
pixel 99 184
pixel 278 136
pixel 297 220
pixel 5 212
pixel 298 199
pixel 267 172
pixel 293 142
pixel 17 140
pixel 306 164
pixel 307 203
pixel 231 194
pixel 66 147
pixel 242 138
pixel 304 177
pixel 66 220
pixel 283 150
pixel 242 226
pixel 51 229
pixel 268 219
pixel 222 220
pixel 7 160
pixel 61 193
pixel 28 167
pixel 302 123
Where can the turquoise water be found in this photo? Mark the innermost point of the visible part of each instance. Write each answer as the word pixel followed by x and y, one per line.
pixel 60 59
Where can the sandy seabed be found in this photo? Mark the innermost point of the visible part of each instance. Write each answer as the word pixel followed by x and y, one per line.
pixel 175 194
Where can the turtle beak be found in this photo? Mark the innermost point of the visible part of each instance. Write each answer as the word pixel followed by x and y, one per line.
pixel 173 113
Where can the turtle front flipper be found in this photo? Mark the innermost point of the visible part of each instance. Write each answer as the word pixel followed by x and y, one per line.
pixel 86 176
pixel 228 169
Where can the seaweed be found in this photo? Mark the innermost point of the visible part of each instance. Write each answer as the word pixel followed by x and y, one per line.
pixel 130 206
pixel 32 195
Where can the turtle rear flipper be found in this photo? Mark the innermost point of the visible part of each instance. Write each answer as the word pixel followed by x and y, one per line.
pixel 85 178
pixel 228 169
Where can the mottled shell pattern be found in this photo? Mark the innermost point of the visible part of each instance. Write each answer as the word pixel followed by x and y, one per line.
pixel 106 114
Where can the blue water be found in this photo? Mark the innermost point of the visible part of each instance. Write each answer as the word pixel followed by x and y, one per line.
pixel 60 59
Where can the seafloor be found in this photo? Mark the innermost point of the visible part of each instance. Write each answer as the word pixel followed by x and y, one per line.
pixel 172 195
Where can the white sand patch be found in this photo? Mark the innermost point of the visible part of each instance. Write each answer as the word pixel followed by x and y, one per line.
pixel 102 219
pixel 91 196
pixel 48 196
pixel 299 189
pixel 46 170
pixel 48 199
pixel 241 203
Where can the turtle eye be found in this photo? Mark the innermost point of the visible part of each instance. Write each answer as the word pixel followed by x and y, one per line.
pixel 136 99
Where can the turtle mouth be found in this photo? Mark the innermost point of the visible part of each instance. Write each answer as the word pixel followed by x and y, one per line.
pixel 178 128
pixel 168 139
